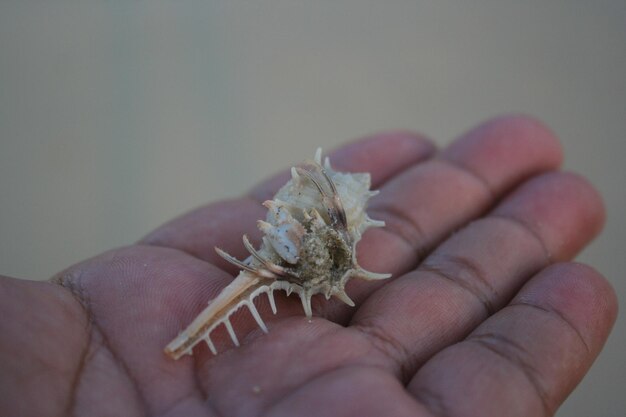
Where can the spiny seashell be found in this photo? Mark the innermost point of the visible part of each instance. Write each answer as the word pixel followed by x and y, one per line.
pixel 309 243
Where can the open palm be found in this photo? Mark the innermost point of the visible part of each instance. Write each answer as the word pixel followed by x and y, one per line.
pixel 481 318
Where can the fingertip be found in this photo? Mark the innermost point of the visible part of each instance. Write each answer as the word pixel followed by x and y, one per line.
pixel 562 208
pixel 515 143
pixel 578 293
pixel 383 154
pixel 595 206
pixel 584 198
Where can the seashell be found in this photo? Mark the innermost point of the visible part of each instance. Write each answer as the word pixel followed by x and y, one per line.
pixel 313 225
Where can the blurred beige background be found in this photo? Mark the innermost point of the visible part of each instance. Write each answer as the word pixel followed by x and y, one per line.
pixel 117 115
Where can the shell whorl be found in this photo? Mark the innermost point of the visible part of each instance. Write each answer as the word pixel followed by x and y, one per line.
pixel 310 233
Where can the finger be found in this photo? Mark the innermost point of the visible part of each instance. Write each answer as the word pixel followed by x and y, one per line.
pixel 425 203
pixel 477 271
pixel 527 358
pixel 224 223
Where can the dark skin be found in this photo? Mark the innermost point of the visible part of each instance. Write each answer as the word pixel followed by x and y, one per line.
pixel 484 315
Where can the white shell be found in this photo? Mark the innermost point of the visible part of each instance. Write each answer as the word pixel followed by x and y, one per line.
pixel 313 225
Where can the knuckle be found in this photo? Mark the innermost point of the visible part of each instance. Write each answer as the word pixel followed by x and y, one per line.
pixel 466 273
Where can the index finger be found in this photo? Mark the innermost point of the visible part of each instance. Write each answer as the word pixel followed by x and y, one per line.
pixel 224 223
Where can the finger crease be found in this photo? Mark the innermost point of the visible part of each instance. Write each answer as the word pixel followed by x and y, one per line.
pixel 465 273
pixel 390 348
pixel 473 174
pixel 516 355
pixel 432 400
pixel 135 383
pixel 528 229
pixel 559 316
pixel 204 395
pixel 74 284
pixel 400 225
pixel 77 292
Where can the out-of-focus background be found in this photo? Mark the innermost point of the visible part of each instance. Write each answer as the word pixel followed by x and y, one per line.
pixel 118 115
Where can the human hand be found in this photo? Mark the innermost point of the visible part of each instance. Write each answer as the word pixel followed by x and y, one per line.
pixel 483 315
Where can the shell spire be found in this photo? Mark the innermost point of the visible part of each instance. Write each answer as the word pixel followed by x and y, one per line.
pixel 310 233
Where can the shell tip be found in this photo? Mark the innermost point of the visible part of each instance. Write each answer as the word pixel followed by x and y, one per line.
pixel 257 316
pixel 294 174
pixel 318 156
pixel 370 276
pixel 341 294
pixel 231 332
pixel 210 344
pixel 306 304
pixel 270 296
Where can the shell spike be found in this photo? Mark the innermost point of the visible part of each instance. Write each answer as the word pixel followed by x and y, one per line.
pixel 250 248
pixel 318 156
pixel 273 269
pixel 265 273
pixel 294 174
pixel 231 331
pixel 274 206
pixel 270 297
pixel 341 294
pixel 234 261
pixel 314 180
pixel 370 276
pixel 328 292
pixel 210 344
pixel 305 297
pixel 327 164
pixel 374 223
pixel 257 316
pixel 263 226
